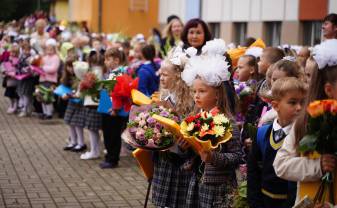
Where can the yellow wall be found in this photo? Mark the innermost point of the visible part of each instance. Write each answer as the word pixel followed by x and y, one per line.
pixel 118 18
pixel 61 10
pixel 82 10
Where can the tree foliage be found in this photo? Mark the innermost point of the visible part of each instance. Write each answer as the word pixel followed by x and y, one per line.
pixel 15 9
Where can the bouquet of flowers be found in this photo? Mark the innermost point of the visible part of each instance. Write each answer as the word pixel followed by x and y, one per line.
pixel 90 85
pixel 121 93
pixel 240 197
pixel 145 132
pixel 321 138
pixel 246 94
pixel 44 94
pixel 209 129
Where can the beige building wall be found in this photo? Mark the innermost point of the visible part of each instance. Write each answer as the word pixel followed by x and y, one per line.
pixel 227 31
pixel 62 10
pixel 290 32
pixel 255 29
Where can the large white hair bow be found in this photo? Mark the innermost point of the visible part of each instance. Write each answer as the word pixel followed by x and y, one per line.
pixel 211 66
pixel 325 54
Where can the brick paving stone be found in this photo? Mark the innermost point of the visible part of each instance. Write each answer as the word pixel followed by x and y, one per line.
pixel 36 172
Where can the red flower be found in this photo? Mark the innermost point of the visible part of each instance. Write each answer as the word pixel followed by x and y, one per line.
pixel 197 116
pixel 88 81
pixel 121 94
pixel 190 119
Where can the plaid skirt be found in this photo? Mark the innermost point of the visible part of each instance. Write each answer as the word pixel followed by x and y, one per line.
pixel 75 115
pixel 26 87
pixel 93 119
pixel 209 195
pixel 169 184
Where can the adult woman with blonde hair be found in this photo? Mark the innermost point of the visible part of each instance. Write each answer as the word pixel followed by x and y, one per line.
pixel 172 33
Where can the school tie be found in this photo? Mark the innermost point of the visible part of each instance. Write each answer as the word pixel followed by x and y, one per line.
pixel 279 135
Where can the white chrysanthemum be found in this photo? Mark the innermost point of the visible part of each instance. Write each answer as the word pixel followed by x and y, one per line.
pixel 80 69
pixel 190 126
pixel 211 69
pixel 254 51
pixel 220 119
pixel 219 131
pixel 325 54
pixel 215 47
pixel 205 127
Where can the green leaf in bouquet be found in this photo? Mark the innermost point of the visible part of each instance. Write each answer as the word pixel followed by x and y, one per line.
pixel 308 143
pixel 132 124
pixel 108 84
pixel 314 124
pixel 243 189
pixel 148 133
pixel 165 141
pixel 240 198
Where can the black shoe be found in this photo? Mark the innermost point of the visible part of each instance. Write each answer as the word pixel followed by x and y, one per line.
pixel 79 149
pixel 48 117
pixel 69 147
pixel 42 116
pixel 106 165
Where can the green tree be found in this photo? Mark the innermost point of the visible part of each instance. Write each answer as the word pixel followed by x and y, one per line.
pixel 15 9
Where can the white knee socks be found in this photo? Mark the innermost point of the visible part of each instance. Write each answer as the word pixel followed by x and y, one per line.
pixel 25 103
pixel 79 134
pixel 47 109
pixel 73 136
pixel 94 142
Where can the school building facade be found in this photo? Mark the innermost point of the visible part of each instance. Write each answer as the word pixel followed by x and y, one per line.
pixel 276 21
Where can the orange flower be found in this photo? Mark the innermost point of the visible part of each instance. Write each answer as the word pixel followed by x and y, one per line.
pixel 315 109
pixel 214 111
pixel 327 104
pixel 333 108
pixel 204 133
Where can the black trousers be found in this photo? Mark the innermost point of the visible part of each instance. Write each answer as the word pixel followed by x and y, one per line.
pixel 112 127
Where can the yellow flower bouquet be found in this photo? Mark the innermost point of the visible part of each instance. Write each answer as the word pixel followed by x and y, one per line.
pixel 204 131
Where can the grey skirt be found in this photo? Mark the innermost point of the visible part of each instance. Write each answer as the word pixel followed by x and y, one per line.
pixel 169 184
pixel 93 119
pixel 26 87
pixel 75 115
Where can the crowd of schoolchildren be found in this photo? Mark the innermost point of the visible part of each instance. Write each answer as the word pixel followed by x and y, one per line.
pixel 281 81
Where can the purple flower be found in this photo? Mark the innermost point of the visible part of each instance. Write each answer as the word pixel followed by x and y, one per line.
pixel 140 134
pixel 175 118
pixel 158 126
pixel 151 120
pixel 164 113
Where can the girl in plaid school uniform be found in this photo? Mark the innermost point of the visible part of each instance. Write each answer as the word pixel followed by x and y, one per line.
pixel 170 180
pixel 93 119
pixel 74 115
pixel 214 180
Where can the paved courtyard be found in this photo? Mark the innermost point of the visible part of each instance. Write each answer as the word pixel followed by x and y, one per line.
pixel 36 172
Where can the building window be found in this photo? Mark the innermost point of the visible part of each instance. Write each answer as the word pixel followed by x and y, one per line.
pixel 273 33
pixel 312 32
pixel 240 32
pixel 138 5
pixel 215 29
